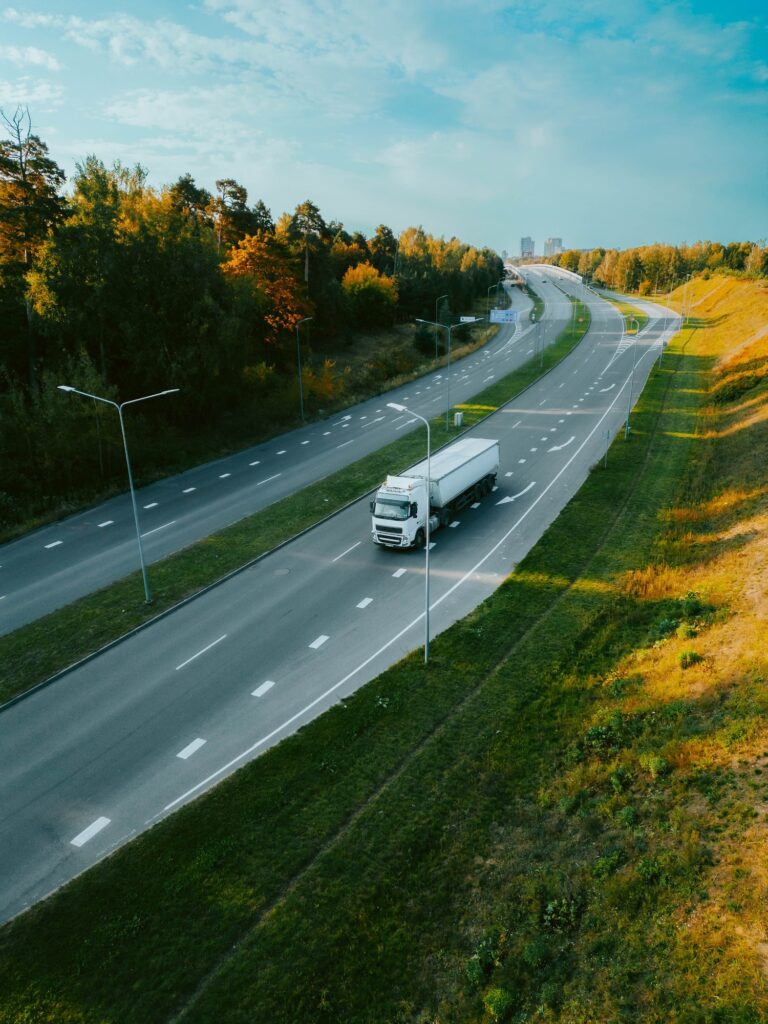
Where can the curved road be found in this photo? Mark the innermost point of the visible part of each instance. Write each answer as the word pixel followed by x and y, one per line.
pixel 136 732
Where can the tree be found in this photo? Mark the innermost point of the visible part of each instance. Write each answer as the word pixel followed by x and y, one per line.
pixel 194 201
pixel 30 205
pixel 230 212
pixel 383 248
pixel 308 224
pixel 262 219
pixel 372 296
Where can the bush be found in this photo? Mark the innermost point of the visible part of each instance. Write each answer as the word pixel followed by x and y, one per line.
pixel 498 1002
pixel 688 658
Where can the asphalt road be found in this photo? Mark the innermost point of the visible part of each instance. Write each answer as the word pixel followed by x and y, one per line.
pixel 53 566
pixel 92 760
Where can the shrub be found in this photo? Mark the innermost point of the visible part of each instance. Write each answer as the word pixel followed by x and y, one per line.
pixel 688 658
pixel 561 915
pixel 498 1002
pixel 655 765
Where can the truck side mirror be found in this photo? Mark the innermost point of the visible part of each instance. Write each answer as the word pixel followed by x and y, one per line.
pixel 414 509
pixel 373 505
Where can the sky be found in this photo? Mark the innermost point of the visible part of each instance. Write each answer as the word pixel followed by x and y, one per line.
pixel 603 122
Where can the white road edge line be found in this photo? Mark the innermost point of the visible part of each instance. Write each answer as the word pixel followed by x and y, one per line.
pixel 347 551
pixel 158 528
pixel 222 637
pixel 90 832
pixel 393 640
pixel 189 750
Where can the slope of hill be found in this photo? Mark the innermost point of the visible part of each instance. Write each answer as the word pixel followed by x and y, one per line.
pixel 563 820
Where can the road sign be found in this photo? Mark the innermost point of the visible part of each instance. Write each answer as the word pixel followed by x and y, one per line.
pixel 503 316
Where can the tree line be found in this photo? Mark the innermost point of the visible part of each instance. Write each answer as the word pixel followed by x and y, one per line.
pixel 652 268
pixel 122 289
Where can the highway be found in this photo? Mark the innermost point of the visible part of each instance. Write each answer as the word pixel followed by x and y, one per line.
pixel 133 734
pixel 53 566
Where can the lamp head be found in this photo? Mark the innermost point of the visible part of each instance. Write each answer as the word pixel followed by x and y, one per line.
pixel 396 407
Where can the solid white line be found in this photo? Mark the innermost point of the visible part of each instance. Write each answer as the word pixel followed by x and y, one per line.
pixel 188 490
pixel 189 750
pixel 264 688
pixel 55 544
pixel 365 602
pixel 222 637
pixel 399 573
pixel 347 551
pixel 268 479
pixel 345 443
pixel 107 522
pixel 158 528
pixel 316 644
pixel 152 504
pixel 90 832
pixel 393 640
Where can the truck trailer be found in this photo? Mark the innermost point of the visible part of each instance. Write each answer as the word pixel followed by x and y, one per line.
pixel 458 476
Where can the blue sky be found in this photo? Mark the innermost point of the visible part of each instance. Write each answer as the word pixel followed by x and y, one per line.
pixel 605 123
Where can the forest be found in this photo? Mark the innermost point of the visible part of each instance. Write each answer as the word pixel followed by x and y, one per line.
pixel 123 290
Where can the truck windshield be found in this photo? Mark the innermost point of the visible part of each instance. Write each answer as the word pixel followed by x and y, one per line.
pixel 391 508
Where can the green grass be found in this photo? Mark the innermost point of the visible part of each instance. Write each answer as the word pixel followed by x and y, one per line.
pixel 629 312
pixel 510 830
pixel 37 651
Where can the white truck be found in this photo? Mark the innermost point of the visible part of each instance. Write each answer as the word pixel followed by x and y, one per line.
pixel 458 476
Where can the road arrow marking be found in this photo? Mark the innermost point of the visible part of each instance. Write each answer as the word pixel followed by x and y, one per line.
pixel 559 447
pixel 609 388
pixel 513 497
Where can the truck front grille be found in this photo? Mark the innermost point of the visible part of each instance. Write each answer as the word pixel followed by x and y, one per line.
pixel 390 529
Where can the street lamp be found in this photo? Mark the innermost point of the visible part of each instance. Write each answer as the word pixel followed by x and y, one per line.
pixel 298 363
pixel 403 408
pixel 632 376
pixel 464 322
pixel 437 318
pixel 488 294
pixel 119 407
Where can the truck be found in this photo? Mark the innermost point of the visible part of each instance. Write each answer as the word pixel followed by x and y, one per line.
pixel 458 476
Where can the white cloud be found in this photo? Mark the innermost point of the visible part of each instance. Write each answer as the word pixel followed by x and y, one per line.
pixel 28 92
pixel 26 55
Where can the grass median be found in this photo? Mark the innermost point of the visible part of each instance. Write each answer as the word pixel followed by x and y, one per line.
pixel 548 823
pixel 43 648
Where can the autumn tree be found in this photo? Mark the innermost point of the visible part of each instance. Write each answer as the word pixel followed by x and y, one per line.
pixel 372 296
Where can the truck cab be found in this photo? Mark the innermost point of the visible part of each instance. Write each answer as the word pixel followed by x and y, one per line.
pixel 398 513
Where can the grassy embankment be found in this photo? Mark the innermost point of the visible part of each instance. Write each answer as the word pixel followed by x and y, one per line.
pixel 629 312
pixel 37 651
pixel 562 820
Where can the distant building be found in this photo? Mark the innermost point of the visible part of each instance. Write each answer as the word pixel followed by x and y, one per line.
pixel 527 247
pixel 553 246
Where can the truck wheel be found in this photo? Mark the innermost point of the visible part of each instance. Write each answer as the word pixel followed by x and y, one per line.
pixel 419 541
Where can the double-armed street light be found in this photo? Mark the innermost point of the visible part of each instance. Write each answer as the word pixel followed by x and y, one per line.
pixel 403 408
pixel 464 322
pixel 120 406
pixel 298 363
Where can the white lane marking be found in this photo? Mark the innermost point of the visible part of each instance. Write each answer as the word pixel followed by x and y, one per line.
pixel 90 832
pixel 454 524
pixel 189 750
pixel 520 462
pixel 223 476
pixel 544 438
pixel 264 688
pixel 343 418
pixel 319 642
pixel 513 497
pixel 475 504
pixel 282 451
pixel 561 385
pixel 542 402
pixel 326 433
pixel 343 426
pixel 609 388
pixel 188 490
pixel 561 421
pixel 569 414
pixel 3 597
pixel 409 422
pixel 534 449
pixel 365 602
pixel 510 473
pixel 107 522
pixel 54 544
pixel 305 442
pixel 494 489
pixel 158 528
pixel 184 663
pixel 559 447
pixel 516 424
pixel 581 399
pixel 365 417
pixel 357 544
pixel 399 573
pixel 152 504
pixel 256 463
pixel 345 443
pixel 371 422
pixel 431 545
pixel 267 479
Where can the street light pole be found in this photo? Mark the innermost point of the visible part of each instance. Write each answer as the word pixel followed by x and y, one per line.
pixel 437 318
pixel 449 328
pixel 120 407
pixel 298 363
pixel 403 408
pixel 632 377
pixel 488 295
